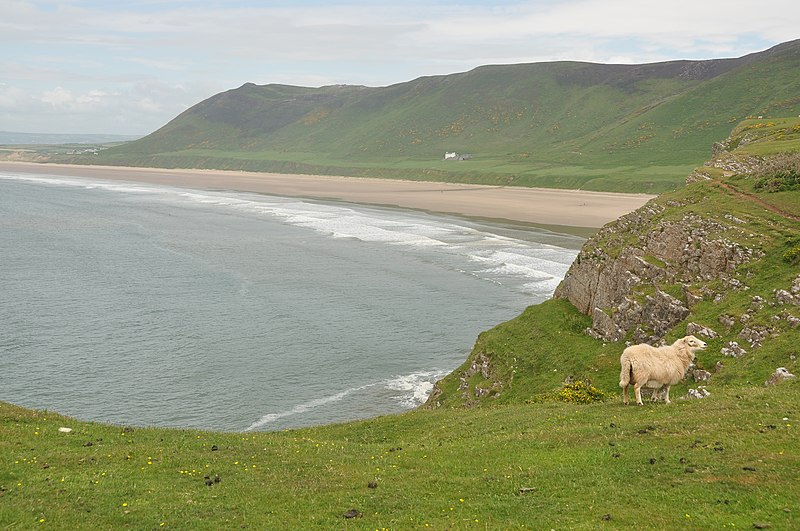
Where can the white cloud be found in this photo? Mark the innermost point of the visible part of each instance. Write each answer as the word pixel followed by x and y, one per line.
pixel 140 64
pixel 148 105
pixel 12 98
pixel 58 97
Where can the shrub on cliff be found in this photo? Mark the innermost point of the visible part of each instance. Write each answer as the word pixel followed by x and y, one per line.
pixel 779 173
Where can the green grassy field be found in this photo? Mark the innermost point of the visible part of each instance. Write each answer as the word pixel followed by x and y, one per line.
pixel 726 462
pixel 526 453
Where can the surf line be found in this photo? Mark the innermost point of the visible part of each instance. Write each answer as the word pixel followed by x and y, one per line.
pixel 397 383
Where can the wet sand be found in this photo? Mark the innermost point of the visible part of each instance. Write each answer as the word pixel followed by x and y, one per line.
pixel 565 209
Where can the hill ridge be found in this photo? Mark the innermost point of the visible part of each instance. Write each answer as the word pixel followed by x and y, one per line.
pixel 561 124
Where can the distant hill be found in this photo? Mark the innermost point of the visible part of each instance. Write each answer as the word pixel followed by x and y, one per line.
pixel 557 124
pixel 12 138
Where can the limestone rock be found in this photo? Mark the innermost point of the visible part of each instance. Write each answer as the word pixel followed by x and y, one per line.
pixel 697 176
pixel 727 321
pixel 784 297
pixel 700 392
pixel 612 276
pixel 733 350
pixel 700 375
pixel 692 299
pixel 780 374
pixel 480 365
pixel 755 335
pixel 699 330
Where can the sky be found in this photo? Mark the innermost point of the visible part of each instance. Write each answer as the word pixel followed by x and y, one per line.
pixel 119 67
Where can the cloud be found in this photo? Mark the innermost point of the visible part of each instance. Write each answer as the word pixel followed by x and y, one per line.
pixel 101 64
pixel 12 98
pixel 58 97
pixel 139 108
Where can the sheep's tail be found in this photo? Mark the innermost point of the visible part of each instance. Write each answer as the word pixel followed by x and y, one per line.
pixel 626 374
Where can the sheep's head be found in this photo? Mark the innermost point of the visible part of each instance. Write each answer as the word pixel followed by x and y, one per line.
pixel 693 344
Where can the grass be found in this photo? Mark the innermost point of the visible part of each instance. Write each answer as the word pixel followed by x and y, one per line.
pixel 728 461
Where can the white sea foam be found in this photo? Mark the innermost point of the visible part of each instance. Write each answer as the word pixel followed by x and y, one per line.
pixel 303 408
pixel 408 391
pixel 531 266
pixel 414 388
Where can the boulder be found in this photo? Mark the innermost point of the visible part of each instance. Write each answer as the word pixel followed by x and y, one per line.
pixel 695 329
pixel 780 374
pixel 784 297
pixel 699 375
pixel 733 350
pixel 700 392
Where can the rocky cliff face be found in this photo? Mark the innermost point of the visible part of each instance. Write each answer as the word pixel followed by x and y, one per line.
pixel 639 276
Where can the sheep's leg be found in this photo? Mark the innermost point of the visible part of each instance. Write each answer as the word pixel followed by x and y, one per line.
pixel 656 390
pixel 625 395
pixel 637 390
pixel 666 394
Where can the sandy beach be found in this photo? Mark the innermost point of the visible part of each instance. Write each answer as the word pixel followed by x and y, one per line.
pixel 541 206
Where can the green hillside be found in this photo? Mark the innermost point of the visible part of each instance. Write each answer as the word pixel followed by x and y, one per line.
pixel 529 433
pixel 560 124
pixel 744 204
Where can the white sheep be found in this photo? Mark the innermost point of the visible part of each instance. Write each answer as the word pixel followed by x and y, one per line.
pixel 656 367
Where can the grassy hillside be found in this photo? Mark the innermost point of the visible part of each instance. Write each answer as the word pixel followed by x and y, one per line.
pixel 531 355
pixel 725 462
pixel 561 124
pixel 525 452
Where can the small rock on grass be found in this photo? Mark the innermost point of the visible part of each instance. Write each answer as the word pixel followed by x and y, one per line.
pixel 352 513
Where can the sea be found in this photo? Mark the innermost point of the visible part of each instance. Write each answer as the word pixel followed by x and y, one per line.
pixel 146 305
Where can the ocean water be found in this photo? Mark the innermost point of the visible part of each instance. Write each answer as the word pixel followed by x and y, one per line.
pixel 156 306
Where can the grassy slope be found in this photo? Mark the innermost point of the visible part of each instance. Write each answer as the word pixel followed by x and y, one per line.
pixel 728 461
pixel 569 125
pixel 524 351
pixel 515 461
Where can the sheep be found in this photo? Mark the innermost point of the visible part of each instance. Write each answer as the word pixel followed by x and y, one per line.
pixel 656 367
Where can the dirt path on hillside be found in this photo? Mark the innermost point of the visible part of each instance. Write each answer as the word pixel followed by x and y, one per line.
pixel 757 200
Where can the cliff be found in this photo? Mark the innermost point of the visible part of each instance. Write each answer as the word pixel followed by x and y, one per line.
pixel 641 275
pixel 718 258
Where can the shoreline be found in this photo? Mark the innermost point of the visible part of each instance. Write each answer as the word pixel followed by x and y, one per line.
pixel 572 211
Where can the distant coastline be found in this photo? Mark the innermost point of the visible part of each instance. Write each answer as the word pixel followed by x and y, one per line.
pixel 573 211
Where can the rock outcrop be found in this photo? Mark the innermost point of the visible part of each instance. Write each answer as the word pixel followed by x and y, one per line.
pixel 779 375
pixel 620 276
